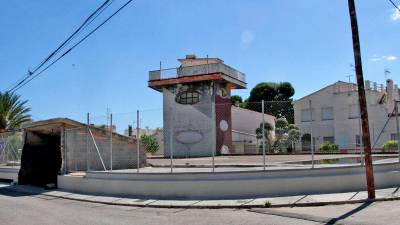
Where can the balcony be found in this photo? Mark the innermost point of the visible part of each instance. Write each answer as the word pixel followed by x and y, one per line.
pixel 198 70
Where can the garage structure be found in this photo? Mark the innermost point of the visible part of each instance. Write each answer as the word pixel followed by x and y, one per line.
pixel 58 146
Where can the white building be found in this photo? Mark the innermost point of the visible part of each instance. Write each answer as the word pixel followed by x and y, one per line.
pixel 244 125
pixel 334 111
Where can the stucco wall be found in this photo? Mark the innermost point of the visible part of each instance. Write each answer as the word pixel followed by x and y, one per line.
pixel 343 128
pixel 191 125
pixel 231 184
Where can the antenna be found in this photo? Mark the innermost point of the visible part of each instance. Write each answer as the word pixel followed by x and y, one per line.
pixel 387 71
pixel 350 85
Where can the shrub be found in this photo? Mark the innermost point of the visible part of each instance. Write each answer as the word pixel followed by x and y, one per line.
pixel 328 146
pixel 390 145
pixel 150 143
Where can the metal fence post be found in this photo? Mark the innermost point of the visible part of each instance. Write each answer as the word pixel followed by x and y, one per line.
pixel 171 136
pixel 137 141
pixel 312 136
pixel 397 127
pixel 214 126
pixel 263 134
pixel 111 143
pixel 87 141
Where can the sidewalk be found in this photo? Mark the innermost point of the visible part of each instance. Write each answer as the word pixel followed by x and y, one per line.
pixel 288 201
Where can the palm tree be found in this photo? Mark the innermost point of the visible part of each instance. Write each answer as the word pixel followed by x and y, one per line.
pixel 13 111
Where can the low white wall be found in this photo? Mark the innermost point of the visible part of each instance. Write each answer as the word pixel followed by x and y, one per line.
pixel 9 174
pixel 227 185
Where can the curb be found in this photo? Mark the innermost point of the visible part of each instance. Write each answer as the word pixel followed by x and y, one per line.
pixel 244 205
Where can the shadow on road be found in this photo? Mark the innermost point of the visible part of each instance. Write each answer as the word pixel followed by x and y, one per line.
pixel 348 214
pixel 7 190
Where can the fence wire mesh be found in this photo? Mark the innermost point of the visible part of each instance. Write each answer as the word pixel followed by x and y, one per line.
pixel 220 136
pixel 11 144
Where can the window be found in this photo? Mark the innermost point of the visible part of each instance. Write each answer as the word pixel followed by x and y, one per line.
pixel 327 113
pixel 354 111
pixel 188 97
pixel 306 115
pixel 329 139
pixel 394 137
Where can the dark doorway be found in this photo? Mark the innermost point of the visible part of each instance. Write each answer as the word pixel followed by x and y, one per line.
pixel 306 142
pixel 41 159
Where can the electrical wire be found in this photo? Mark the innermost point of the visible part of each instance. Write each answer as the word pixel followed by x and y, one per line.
pixel 69 50
pixel 86 23
pixel 394 4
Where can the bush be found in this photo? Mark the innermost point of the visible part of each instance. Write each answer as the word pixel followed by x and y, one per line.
pixel 390 145
pixel 328 146
pixel 150 143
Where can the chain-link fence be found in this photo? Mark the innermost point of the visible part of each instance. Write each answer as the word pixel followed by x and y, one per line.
pixel 385 136
pixel 11 144
pixel 209 135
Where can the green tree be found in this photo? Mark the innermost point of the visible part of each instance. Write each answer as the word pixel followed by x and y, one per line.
pixel 13 111
pixel 277 97
pixel 267 133
pixel 150 142
pixel 236 99
pixel 293 135
pixel 281 131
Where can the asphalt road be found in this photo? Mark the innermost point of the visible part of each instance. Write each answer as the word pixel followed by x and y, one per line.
pixel 37 209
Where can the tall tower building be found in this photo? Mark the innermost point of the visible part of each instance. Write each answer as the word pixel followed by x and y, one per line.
pixel 196 105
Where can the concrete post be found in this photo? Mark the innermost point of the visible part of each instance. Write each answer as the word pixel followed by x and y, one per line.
pixel 263 134
pixel 312 135
pixel 111 143
pixel 63 151
pixel 137 141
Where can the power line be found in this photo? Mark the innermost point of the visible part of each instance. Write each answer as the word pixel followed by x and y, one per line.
pixel 69 50
pixel 86 23
pixel 394 4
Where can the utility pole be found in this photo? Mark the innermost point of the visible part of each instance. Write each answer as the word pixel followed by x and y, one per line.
pixel 362 101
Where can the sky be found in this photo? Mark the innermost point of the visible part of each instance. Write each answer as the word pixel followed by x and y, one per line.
pixel 307 43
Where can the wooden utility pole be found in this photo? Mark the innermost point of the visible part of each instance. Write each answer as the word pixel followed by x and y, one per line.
pixel 362 101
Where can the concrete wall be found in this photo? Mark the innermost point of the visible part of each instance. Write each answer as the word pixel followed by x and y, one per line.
pixel 191 125
pixel 234 185
pixel 124 151
pixel 9 174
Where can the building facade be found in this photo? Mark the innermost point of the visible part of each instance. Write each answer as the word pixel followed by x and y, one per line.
pixel 244 125
pixel 332 114
pixel 196 106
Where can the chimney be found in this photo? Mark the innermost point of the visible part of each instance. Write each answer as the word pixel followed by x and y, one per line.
pixel 389 91
pixel 191 56
pixel 130 131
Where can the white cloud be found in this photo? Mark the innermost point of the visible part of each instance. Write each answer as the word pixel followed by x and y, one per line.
pixel 395 15
pixel 376 58
pixel 247 37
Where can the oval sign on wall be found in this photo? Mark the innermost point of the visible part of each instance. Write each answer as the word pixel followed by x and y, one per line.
pixel 189 137
pixel 223 125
